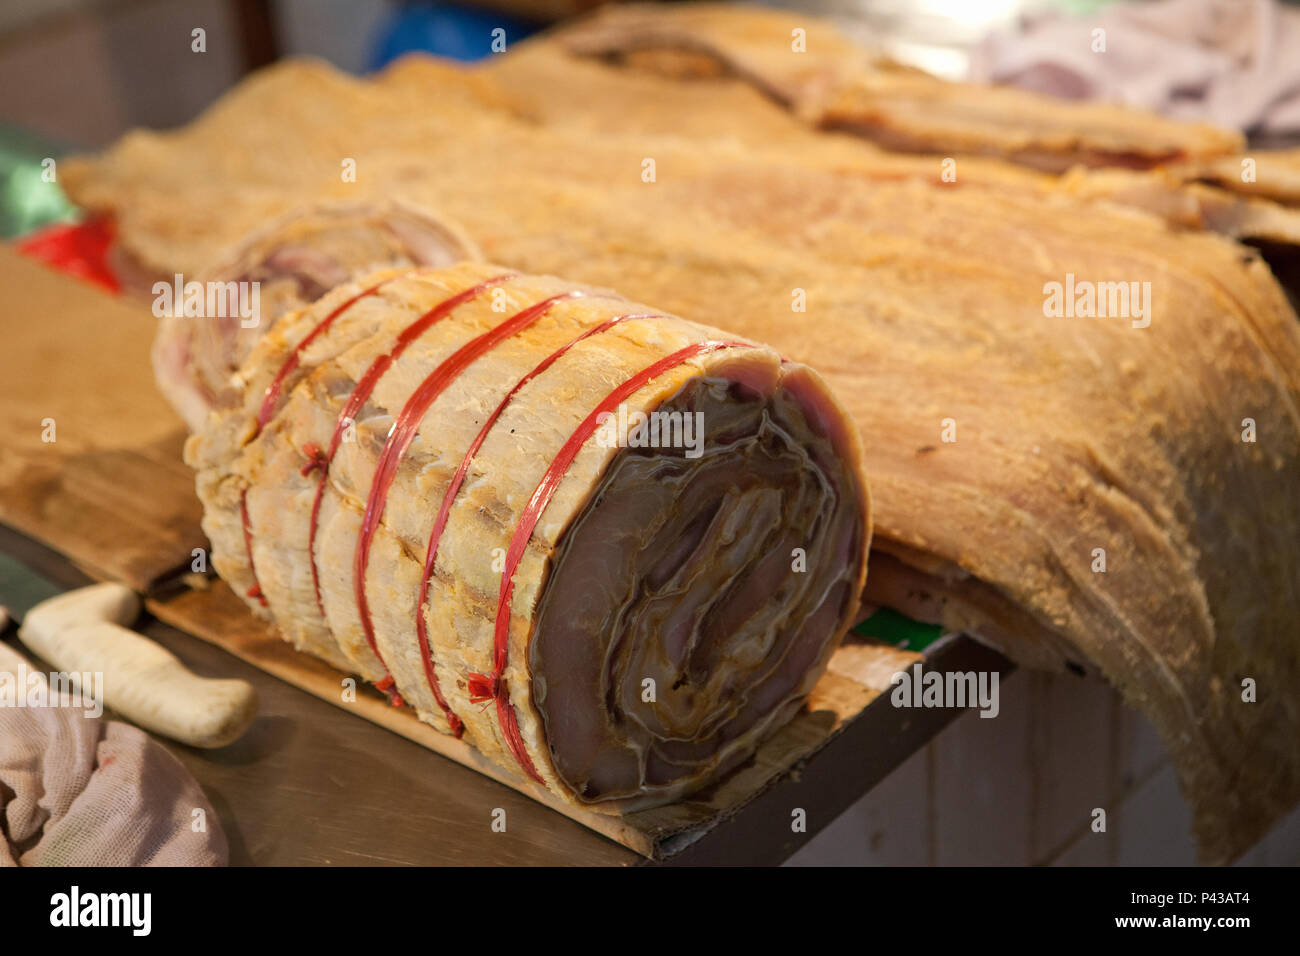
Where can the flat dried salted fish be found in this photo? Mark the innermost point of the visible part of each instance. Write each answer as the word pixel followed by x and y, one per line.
pixel 1189 204
pixel 806 64
pixel 540 82
pixel 430 479
pixel 1262 173
pixel 793 58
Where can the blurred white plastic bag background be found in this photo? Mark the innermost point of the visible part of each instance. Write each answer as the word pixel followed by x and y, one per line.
pixel 1231 62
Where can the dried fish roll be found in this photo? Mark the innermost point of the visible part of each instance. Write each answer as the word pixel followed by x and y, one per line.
pixel 293 261
pixel 612 548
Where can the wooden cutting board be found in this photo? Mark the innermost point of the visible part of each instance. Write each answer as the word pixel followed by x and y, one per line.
pixel 89 450
pixel 91 466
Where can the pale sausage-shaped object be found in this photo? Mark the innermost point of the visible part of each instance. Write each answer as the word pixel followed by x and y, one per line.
pixel 82 632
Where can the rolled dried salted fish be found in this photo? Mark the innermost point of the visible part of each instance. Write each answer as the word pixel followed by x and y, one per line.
pixel 611 547
pixel 293 261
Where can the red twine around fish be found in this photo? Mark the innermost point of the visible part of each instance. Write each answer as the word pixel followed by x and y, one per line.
pixel 315 459
pixel 483 689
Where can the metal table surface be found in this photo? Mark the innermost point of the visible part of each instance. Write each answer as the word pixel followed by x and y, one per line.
pixel 311 784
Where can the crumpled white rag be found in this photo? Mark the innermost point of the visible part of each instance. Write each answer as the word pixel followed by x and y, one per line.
pixel 77 790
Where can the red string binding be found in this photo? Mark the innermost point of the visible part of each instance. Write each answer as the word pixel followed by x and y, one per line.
pixel 482 688
pixel 400 436
pixel 449 498
pixel 315 459
pixel 360 394
pixel 255 591
pixel 271 397
pixel 545 490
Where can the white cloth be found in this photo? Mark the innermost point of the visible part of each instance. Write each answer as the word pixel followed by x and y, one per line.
pixel 1231 62
pixel 77 790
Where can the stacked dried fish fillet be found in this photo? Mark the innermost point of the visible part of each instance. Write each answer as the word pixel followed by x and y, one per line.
pixel 810 67
pixel 836 104
pixel 925 312
pixel 423 482
pixel 1266 173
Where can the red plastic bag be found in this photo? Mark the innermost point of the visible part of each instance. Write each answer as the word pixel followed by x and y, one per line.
pixel 79 249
